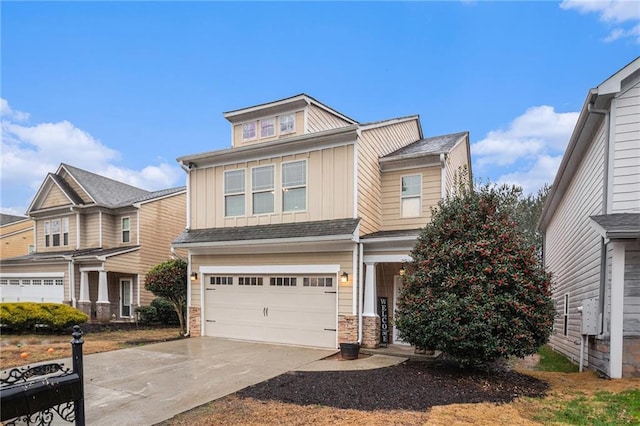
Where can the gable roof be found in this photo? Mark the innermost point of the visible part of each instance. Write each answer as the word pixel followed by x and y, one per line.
pixel 102 190
pixel 430 146
pixel 597 103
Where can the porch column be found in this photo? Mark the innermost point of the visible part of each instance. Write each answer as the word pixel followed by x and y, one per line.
pixel 84 286
pixel 103 288
pixel 617 310
pixel 369 307
pixel 370 320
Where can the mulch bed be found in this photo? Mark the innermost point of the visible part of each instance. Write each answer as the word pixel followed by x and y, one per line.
pixel 412 385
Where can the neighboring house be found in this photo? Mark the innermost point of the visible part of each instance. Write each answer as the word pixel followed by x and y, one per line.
pixel 296 230
pixel 96 238
pixel 591 222
pixel 16 235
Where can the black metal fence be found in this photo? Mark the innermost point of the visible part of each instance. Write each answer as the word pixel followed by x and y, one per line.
pixel 40 394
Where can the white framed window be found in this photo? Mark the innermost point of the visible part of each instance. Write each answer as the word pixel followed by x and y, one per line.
pixel 267 127
pixel 218 280
pixel 55 232
pixel 262 179
pixel 250 280
pixel 47 233
pixel 565 316
pixel 126 229
pixel 287 123
pixel 249 131
pixel 234 193
pixel 283 281
pixel 317 282
pixel 126 293
pixel 65 231
pixel 410 195
pixel 294 186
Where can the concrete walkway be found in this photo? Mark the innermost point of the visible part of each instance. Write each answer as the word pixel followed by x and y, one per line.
pixel 145 385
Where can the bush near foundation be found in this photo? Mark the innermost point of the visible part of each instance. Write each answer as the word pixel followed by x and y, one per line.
pixel 160 311
pixel 27 316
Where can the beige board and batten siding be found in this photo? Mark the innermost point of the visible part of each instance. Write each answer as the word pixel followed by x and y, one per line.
pixel 391 202
pixel 572 251
pixel 626 165
pixel 319 120
pixel 374 143
pixel 329 190
pixel 457 163
pixel 298 130
pixel 344 259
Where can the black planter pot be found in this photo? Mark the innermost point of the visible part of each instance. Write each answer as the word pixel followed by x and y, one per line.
pixel 349 350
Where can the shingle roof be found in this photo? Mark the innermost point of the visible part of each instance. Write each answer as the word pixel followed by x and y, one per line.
pixel 619 225
pixel 434 145
pixel 6 219
pixel 155 194
pixel 410 233
pixel 57 255
pixel 322 228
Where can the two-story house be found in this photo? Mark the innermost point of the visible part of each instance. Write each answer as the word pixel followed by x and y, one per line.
pixel 591 223
pixel 16 235
pixel 95 239
pixel 299 230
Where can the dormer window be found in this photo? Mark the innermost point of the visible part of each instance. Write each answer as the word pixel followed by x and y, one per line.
pixel 267 127
pixel 287 123
pixel 249 131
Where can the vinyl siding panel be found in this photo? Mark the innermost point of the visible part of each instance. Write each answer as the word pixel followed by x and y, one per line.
pixel 456 160
pixel 572 247
pixel 329 190
pixel 391 198
pixel 319 120
pixel 15 238
pixel 375 143
pixel 54 198
pixel 90 230
pixel 626 155
pixel 631 319
pixel 76 188
pixel 344 259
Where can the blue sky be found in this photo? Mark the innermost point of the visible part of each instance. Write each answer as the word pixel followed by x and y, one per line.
pixel 124 88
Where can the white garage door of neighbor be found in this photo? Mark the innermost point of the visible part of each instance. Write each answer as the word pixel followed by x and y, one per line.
pixel 299 310
pixel 45 288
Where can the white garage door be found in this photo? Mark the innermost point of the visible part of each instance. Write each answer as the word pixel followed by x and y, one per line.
pixel 32 288
pixel 292 309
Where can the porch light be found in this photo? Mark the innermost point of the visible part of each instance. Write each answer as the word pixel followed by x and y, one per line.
pixel 344 277
pixel 194 276
pixel 402 271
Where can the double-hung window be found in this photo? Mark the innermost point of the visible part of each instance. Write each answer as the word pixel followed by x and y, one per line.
pixel 294 186
pixel 55 232
pixel 234 193
pixel 262 179
pixel 267 127
pixel 126 230
pixel 411 201
pixel 249 131
pixel 65 231
pixel 47 233
pixel 287 123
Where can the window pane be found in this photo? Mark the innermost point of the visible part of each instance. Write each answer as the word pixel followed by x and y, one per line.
pixel 287 123
pixel 262 178
pixel 262 202
pixel 294 174
pixel 125 223
pixel 56 240
pixel 294 199
pixel 234 205
pixel 249 130
pixel 267 127
pixel 234 181
pixel 125 236
pixel 410 185
pixel 65 224
pixel 411 207
pixel 55 226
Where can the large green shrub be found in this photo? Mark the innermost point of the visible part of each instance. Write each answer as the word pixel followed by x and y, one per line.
pixel 160 311
pixel 169 280
pixel 477 290
pixel 25 316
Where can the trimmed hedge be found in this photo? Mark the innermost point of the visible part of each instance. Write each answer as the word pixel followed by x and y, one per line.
pixel 161 311
pixel 25 316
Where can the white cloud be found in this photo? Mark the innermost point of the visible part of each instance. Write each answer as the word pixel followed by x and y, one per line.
pixel 528 151
pixel 29 152
pixel 612 12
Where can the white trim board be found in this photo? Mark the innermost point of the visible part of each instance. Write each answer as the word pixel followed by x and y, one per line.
pixel 271 269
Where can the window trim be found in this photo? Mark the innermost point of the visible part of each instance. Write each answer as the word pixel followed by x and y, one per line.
pixel 407 197
pixel 273 126
pixel 287 188
pixel 243 193
pixel 123 230
pixel 272 190
pixel 255 131
pixel 64 228
pixel 293 120
pixel 47 233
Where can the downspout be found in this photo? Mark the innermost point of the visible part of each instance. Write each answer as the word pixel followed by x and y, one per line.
pixel 72 283
pixel 360 293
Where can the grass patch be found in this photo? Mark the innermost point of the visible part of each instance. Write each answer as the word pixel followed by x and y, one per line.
pixel 603 408
pixel 551 360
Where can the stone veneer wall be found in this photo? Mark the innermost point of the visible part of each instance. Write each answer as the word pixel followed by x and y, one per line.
pixel 195 329
pixel 371 332
pixel 347 328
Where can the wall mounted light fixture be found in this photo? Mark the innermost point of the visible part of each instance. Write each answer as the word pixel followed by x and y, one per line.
pixel 194 276
pixel 344 277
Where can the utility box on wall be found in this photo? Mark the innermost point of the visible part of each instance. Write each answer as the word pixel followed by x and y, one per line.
pixel 590 317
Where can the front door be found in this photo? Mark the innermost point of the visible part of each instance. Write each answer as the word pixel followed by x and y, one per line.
pixel 397 288
pixel 125 297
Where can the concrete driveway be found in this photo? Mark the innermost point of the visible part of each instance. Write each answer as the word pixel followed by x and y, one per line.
pixel 145 385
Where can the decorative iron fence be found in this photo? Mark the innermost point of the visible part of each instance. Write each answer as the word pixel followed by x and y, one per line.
pixel 40 394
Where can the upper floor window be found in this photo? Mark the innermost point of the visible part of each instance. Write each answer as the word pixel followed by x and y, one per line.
pixel 262 187
pixel 287 123
pixel 411 200
pixel 56 232
pixel 126 230
pixel 267 127
pixel 234 193
pixel 294 186
pixel 249 131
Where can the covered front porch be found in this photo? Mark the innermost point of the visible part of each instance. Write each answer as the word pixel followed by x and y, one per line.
pixel 108 296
